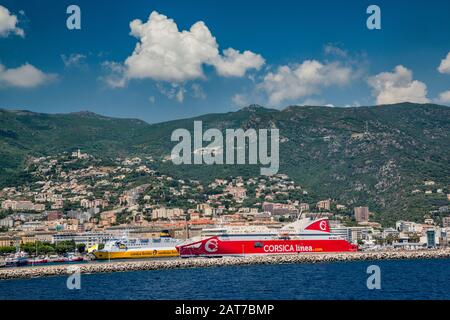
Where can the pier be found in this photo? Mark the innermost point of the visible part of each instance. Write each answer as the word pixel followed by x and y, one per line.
pixel 131 265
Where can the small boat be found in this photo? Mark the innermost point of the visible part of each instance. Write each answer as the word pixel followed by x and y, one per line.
pixel 56 258
pixel 17 260
pixel 37 260
pixel 74 258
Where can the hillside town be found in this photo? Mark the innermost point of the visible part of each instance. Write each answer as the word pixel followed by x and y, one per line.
pixel 76 197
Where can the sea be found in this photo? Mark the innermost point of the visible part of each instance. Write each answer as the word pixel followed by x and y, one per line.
pixel 396 279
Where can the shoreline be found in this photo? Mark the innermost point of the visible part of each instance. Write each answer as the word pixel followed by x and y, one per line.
pixel 179 263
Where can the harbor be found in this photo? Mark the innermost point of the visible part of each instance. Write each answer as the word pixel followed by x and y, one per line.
pixel 179 263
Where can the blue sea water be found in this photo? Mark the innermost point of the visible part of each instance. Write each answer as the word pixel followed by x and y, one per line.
pixel 404 279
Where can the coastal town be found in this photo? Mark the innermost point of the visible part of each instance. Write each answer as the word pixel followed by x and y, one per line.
pixel 78 199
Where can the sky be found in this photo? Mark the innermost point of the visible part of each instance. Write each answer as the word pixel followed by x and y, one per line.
pixel 164 60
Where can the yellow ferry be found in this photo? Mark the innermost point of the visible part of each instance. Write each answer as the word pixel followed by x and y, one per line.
pixel 138 248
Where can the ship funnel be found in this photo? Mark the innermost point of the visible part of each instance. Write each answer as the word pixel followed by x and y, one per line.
pixel 319 225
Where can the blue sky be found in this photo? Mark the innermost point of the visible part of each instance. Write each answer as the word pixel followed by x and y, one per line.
pixel 298 52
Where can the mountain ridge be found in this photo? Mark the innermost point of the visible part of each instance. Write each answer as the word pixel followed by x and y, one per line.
pixel 373 155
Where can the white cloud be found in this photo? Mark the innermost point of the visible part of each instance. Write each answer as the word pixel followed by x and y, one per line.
pixel 114 77
pixel 73 60
pixel 398 86
pixel 172 91
pixel 332 49
pixel 8 23
pixel 444 67
pixel 25 76
pixel 303 80
pixel 235 64
pixel 444 97
pixel 180 95
pixel 197 91
pixel 164 53
pixel 240 100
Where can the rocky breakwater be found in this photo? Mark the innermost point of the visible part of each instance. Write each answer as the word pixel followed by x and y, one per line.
pixel 124 266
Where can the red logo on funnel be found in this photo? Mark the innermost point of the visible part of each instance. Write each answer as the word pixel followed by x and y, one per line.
pixel 319 225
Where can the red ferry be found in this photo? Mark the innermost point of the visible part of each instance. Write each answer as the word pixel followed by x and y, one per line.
pixel 302 236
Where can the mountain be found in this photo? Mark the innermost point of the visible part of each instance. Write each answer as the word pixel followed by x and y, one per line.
pixel 375 156
pixel 25 133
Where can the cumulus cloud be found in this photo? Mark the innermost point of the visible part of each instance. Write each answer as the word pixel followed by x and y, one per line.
pixel 235 64
pixel 25 76
pixel 444 97
pixel 8 24
pixel 398 86
pixel 164 53
pixel 444 67
pixel 303 80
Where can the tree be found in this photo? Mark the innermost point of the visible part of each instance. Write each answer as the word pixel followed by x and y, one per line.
pixel 7 250
pixel 390 238
pixel 81 247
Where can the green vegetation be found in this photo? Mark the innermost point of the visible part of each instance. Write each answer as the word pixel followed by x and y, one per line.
pixel 7 250
pixel 43 248
pixel 371 156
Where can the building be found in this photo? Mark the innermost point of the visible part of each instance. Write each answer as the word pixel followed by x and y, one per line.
pixel 238 193
pixel 32 225
pixel 82 217
pixel 22 205
pixel 408 227
pixel 343 232
pixel 389 232
pixel 352 234
pixel 262 217
pixel 324 205
pixel 108 217
pixel 431 241
pixel 362 214
pixel 88 238
pixel 7 222
pixel 54 215
pixel 443 209
pixel 446 222
pixel 304 206
pixel 164 213
pixel 9 241
pixel 280 209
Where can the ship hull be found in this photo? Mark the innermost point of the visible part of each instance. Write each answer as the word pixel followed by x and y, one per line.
pixel 215 247
pixel 135 254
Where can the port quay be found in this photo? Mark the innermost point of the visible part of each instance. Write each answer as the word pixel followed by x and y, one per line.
pixel 176 263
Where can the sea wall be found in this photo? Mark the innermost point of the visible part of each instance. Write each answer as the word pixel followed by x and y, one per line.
pixel 176 263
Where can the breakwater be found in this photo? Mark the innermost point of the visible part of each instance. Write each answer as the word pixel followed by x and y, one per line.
pixel 131 265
